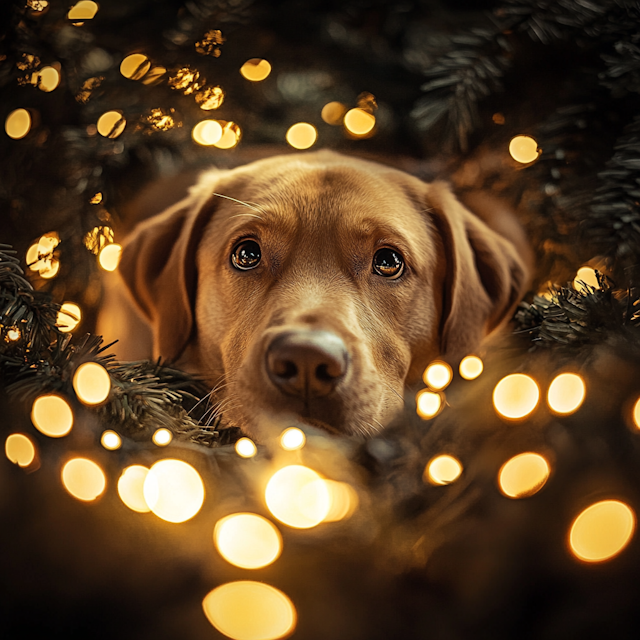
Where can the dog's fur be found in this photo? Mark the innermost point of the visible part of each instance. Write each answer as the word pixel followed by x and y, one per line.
pixel 319 219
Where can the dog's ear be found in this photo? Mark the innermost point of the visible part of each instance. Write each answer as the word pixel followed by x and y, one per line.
pixel 486 274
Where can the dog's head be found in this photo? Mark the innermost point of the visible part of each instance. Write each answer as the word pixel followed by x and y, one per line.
pixel 314 287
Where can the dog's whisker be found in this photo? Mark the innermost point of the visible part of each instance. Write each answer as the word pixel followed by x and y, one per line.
pixel 245 204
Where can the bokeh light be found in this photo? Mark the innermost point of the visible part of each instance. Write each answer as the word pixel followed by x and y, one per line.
pixel 566 393
pixel 292 439
pixel 602 531
pixel 230 135
pixel 130 488
pixel 83 479
pixel 154 75
pixel 523 475
pixel 585 276
pixel 173 490
pixel 428 404
pixel 636 414
pixel 83 10
pixel 18 124
pixel 162 437
pixel 255 69
pixel 343 498
pixel 247 540
pixel 471 367
pixel 443 469
pixel 516 396
pixel 49 268
pixel 333 113
pixel 135 66
pixel 91 383
pixel 69 317
pixel 47 79
pixel 207 132
pixel 111 124
pixel 437 375
pixel 246 448
pixel 110 440
pixel 302 135
pixel 210 98
pixel 109 257
pixel 13 334
pixel 20 449
pixel 99 237
pixel 359 122
pixel 248 610
pixel 524 149
pixel 52 415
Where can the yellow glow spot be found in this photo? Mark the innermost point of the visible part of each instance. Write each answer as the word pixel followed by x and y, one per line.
pixel 359 122
pixel 207 132
pixel 566 393
pixel 162 437
pixel 302 135
pixel 50 268
pixel 636 413
pixel 37 5
pixel 471 367
pixel 516 396
pixel 135 66
pixel 292 439
pixel 173 490
pixel 83 479
pixel 52 416
pixel 428 404
pixel 255 69
pixel 19 449
pixel 92 383
pixel 154 75
pixel 585 276
pixel 96 199
pixel 247 540
pixel 602 531
pixel 210 98
pixel 110 440
pixel 344 500
pixel 230 136
pixel 13 334
pixel 443 470
pixel 247 610
pixel 109 257
pixel 99 237
pixel 437 375
pixel 130 488
pixel 18 124
pixel 295 496
pixel 111 124
pixel 32 257
pixel 333 113
pixel 523 475
pixel 47 79
pixel 246 448
pixel 83 10
pixel 69 317
pixel 524 149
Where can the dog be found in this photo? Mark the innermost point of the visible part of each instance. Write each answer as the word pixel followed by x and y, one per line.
pixel 312 288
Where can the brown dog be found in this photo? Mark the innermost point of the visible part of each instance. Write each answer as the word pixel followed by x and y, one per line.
pixel 313 287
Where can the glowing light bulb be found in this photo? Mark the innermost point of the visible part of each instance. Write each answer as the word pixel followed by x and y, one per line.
pixel 69 317
pixel 524 149
pixel 471 367
pixel 443 469
pixel 130 488
pixel 111 124
pixel 566 393
pixel 246 448
pixel 292 439
pixel 585 276
pixel 248 610
pixel 523 475
pixel 230 136
pixel 428 404
pixel 50 268
pixel 173 490
pixel 52 416
pixel 207 132
pixel 13 334
pixel 516 396
pixel 109 257
pixel 359 122
pixel 333 113
pixel 110 440
pixel 162 437
pixel 437 375
pixel 135 66
pixel 92 383
pixel 20 449
pixel 83 479
pixel 47 79
pixel 18 124
pixel 255 69
pixel 83 10
pixel 636 414
pixel 247 540
pixel 302 135
pixel 602 531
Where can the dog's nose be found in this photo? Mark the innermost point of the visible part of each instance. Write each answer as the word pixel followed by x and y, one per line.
pixel 307 363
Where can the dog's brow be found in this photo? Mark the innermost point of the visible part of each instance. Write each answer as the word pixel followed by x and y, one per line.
pixel 252 205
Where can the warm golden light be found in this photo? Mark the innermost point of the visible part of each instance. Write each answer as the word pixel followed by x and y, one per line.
pixel 343 498
pixel 566 393
pixel 109 257
pixel 13 334
pixel 52 416
pixel 442 470
pixel 83 479
pixel 255 69
pixel 230 136
pixel 246 448
pixel 207 132
pixel 247 610
pixel 516 396
pixel 636 414
pixel 111 124
pixel 297 496
pixel 20 449
pixel 359 122
pixel 302 135
pixel 47 79
pixel 69 317
pixel 523 475
pixel 49 268
pixel 247 540
pixel 428 404
pixel 210 98
pixel 585 276
pixel 18 124
pixel 173 490
pixel 92 383
pixel 162 437
pixel 154 75
pixel 110 440
pixel 471 367
pixel 602 531
pixel 333 113
pixel 135 66
pixel 83 10
pixel 99 237
pixel 292 439
pixel 130 488
pixel 524 149
pixel 437 375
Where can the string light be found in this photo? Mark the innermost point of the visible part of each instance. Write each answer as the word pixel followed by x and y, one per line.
pixel 18 124
pixel 19 449
pixel 109 257
pixel 47 79
pixel 37 6
pixel 230 135
pixel 516 396
pixel 186 80
pixel 50 268
pixel 471 367
pixel 566 393
pixel 333 113
pixel 246 448
pixel 52 415
pixel 255 69
pixel 302 135
pixel 162 437
pixel 130 488
pixel 523 475
pixel 428 404
pixel 83 10
pixel 110 440
pixel 585 276
pixel 69 317
pixel 111 124
pixel 99 237
pixel 135 66
pixel 292 439
pixel 343 499
pixel 207 132
pixel 91 383
pixel 359 122
pixel 83 479
pixel 210 98
pixel 13 334
pixel 524 149
pixel 437 375
pixel 442 470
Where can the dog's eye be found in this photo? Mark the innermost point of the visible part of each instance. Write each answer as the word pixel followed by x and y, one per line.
pixel 246 255
pixel 388 263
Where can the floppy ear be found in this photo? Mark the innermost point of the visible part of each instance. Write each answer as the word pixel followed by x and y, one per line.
pixel 486 274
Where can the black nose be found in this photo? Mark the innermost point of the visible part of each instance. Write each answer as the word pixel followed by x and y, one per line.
pixel 307 363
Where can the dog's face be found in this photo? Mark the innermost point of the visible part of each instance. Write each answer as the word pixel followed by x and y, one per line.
pixel 314 287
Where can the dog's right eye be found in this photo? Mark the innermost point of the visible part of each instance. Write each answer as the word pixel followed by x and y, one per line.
pixel 246 255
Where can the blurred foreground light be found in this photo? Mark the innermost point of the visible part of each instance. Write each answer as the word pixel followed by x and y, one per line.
pixel 18 124
pixel 207 132
pixel 162 437
pixel 110 440
pixel 13 334
pixel 20 449
pixel 585 276
pixel 566 393
pixel 248 610
pixel 83 10
pixel 292 439
pixel 443 470
pixel 210 98
pixel 83 479
pixel 516 396
pixel 91 383
pixel 230 136
pixel 359 122
pixel 247 540
pixel 154 75
pixel 428 404
pixel 47 79
pixel 130 488
pixel 602 531
pixel 50 268
pixel 69 317
pixel 174 490
pixel 343 498
pixel 246 448
pixel 523 475
pixel 255 69
pixel 52 416
pixel 109 257
pixel 135 66
pixel 471 367
pixel 297 496
pixel 636 414
pixel 437 375
pixel 524 149
pixel 333 113
pixel 302 135
pixel 111 124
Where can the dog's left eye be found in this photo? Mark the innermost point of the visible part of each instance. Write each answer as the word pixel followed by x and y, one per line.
pixel 388 263
pixel 246 255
